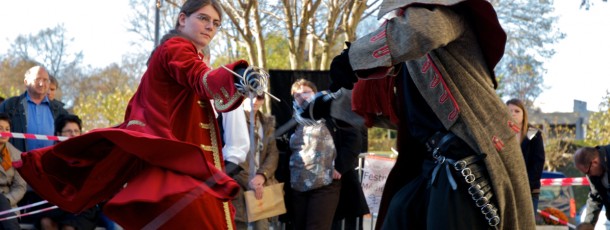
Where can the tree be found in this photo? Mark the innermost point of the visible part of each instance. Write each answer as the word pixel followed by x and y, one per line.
pixel 104 96
pixel 521 69
pixel 12 73
pixel 50 48
pixel 309 27
pixel 587 4
pixel 142 21
pixel 558 142
pixel 598 132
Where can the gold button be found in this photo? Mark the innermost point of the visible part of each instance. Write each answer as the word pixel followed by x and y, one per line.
pixel 204 125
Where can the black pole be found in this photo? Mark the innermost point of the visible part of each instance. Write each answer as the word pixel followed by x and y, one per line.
pixel 157 19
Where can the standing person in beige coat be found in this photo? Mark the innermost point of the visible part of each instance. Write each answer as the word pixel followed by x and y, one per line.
pixel 265 163
pixel 11 184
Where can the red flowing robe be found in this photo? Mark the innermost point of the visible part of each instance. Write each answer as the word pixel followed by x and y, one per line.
pixel 162 167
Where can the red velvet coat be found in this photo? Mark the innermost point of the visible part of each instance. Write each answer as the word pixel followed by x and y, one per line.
pixel 161 168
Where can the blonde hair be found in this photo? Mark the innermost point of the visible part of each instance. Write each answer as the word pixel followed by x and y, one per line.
pixel 302 82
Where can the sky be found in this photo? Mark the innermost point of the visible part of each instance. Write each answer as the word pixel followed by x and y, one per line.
pixel 99 28
pixel 576 71
pixel 579 68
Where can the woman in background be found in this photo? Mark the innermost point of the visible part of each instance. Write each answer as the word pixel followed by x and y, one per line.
pixel 313 177
pixel 532 146
pixel 69 126
pixel 12 185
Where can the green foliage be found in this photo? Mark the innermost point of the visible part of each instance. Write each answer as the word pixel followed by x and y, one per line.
pixel 99 110
pixel 381 139
pixel 599 124
pixel 558 146
pixel 276 52
pixel 11 92
pixel 12 72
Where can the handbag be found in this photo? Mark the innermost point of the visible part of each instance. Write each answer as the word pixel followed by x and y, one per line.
pixel 272 203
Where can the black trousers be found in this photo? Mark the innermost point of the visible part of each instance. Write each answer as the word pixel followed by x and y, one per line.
pixel 422 205
pixel 5 204
pixel 315 209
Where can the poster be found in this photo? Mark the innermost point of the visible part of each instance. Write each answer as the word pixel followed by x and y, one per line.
pixel 374 174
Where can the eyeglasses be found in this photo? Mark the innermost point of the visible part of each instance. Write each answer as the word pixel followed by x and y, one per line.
pixel 589 169
pixel 303 94
pixel 42 80
pixel 207 19
pixel 71 131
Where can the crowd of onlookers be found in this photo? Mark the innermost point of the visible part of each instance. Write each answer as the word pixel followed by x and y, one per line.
pixel 322 188
pixel 37 111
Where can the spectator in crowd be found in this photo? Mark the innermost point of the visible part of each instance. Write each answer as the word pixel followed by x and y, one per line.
pixel 594 163
pixel 168 142
pixel 69 126
pixel 532 146
pixel 12 185
pixel 33 112
pixel 53 86
pixel 263 162
pixel 313 177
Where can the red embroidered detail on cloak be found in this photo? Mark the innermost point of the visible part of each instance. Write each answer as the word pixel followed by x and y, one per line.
pixel 438 80
pixel 514 127
pixel 384 50
pixel 499 144
pixel 380 35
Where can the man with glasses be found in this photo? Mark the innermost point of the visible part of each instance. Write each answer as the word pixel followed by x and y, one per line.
pixel 32 111
pixel 593 163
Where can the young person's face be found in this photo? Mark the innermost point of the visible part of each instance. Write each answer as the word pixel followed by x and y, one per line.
pixel 516 113
pixel 52 89
pixel 201 26
pixel 4 127
pixel 302 94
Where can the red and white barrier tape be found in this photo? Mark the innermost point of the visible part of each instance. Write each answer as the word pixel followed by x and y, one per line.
pixel 23 207
pixel 29 213
pixel 548 215
pixel 571 181
pixel 33 136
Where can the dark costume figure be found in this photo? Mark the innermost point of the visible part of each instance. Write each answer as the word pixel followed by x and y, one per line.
pixel 459 163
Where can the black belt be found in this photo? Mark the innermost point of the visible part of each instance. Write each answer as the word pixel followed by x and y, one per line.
pixel 471 168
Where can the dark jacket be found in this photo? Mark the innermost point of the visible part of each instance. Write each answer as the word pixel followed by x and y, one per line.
pixel 598 195
pixel 15 107
pixel 533 153
pixel 348 142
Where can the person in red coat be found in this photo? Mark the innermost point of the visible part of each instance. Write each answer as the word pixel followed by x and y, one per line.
pixel 162 167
